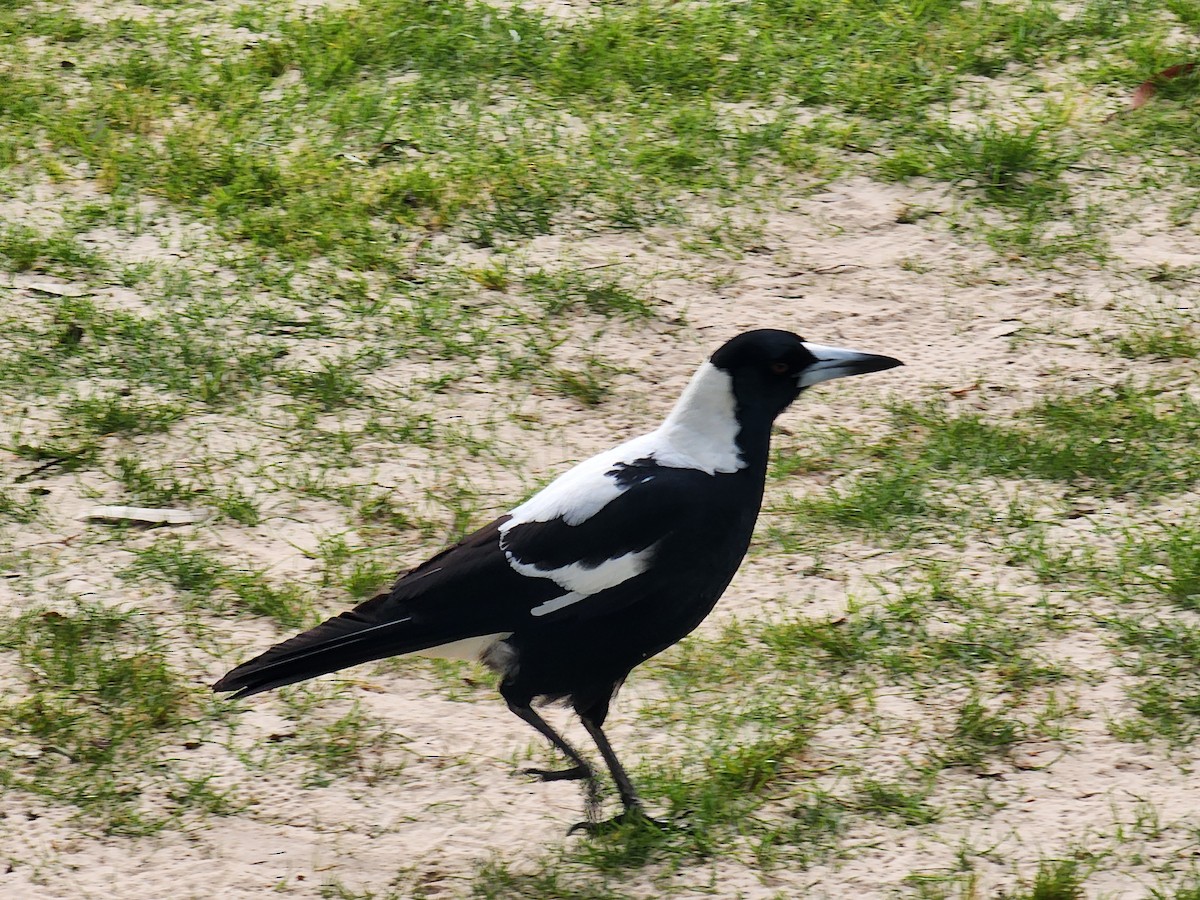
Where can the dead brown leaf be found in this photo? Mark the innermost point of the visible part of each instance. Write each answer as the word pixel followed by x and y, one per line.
pixel 1149 87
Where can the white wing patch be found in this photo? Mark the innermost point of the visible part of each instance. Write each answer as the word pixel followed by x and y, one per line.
pixel 580 581
pixel 584 489
pixel 588 580
pixel 557 603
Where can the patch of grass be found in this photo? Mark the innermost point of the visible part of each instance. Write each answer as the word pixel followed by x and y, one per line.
pixel 287 604
pixel 1167 560
pixel 818 453
pixel 496 881
pixel 351 745
pixel 1184 892
pixel 1178 340
pixel 1163 122
pixel 587 384
pixel 1028 544
pixel 897 799
pixel 146 486
pixel 1009 166
pixel 381 510
pixel 238 506
pixel 1165 656
pixel 809 832
pixel 99 697
pixel 200 794
pixel 205 580
pixel 332 385
pixel 356 570
pixel 938 886
pixel 980 732
pixel 932 632
pixel 19 507
pixel 892 501
pixel 24 249
pixel 185 569
pixel 1055 880
pixel 191 348
pixel 1127 439
pixel 641 85
pixel 596 291
pixel 1117 440
pixel 115 414
pixel 58 455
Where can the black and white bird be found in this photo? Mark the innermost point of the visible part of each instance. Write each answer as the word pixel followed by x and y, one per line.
pixel 613 562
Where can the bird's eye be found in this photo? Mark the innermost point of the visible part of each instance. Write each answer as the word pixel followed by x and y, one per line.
pixel 779 368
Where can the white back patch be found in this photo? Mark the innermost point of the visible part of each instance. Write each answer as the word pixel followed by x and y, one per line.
pixel 701 431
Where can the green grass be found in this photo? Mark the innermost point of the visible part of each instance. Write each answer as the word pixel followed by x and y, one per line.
pixel 200 579
pixel 351 744
pixel 26 249
pixel 648 76
pixel 114 414
pixel 1160 337
pixel 1165 560
pixel 1055 880
pixel 1125 441
pixel 1008 166
pixel 99 698
pixel 1163 654
pixel 905 802
pixel 1190 892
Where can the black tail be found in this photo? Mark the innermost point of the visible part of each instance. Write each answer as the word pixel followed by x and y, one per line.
pixel 340 642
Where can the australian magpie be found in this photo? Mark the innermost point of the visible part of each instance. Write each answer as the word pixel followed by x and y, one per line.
pixel 613 562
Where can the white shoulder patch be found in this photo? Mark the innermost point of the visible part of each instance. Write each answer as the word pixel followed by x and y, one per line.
pixel 700 433
pixel 583 490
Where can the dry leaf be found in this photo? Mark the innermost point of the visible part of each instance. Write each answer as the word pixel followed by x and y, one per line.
pixel 146 515
pixel 1149 87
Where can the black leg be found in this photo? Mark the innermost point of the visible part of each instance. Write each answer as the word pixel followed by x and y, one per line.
pixel 629 797
pixel 593 718
pixel 581 770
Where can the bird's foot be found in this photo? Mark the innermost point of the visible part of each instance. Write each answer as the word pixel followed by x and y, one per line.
pixel 575 773
pixel 632 815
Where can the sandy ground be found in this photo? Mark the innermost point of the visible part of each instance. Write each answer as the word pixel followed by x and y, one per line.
pixel 840 266
pixel 833 268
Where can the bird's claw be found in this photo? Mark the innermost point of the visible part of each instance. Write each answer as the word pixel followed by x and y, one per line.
pixel 575 773
pixel 633 815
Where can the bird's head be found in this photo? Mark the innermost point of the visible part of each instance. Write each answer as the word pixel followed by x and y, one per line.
pixel 722 422
pixel 768 369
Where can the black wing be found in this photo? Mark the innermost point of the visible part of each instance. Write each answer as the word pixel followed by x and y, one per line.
pixel 656 502
pixel 473 588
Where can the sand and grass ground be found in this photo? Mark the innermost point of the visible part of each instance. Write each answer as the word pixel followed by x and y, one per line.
pixel 351 278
